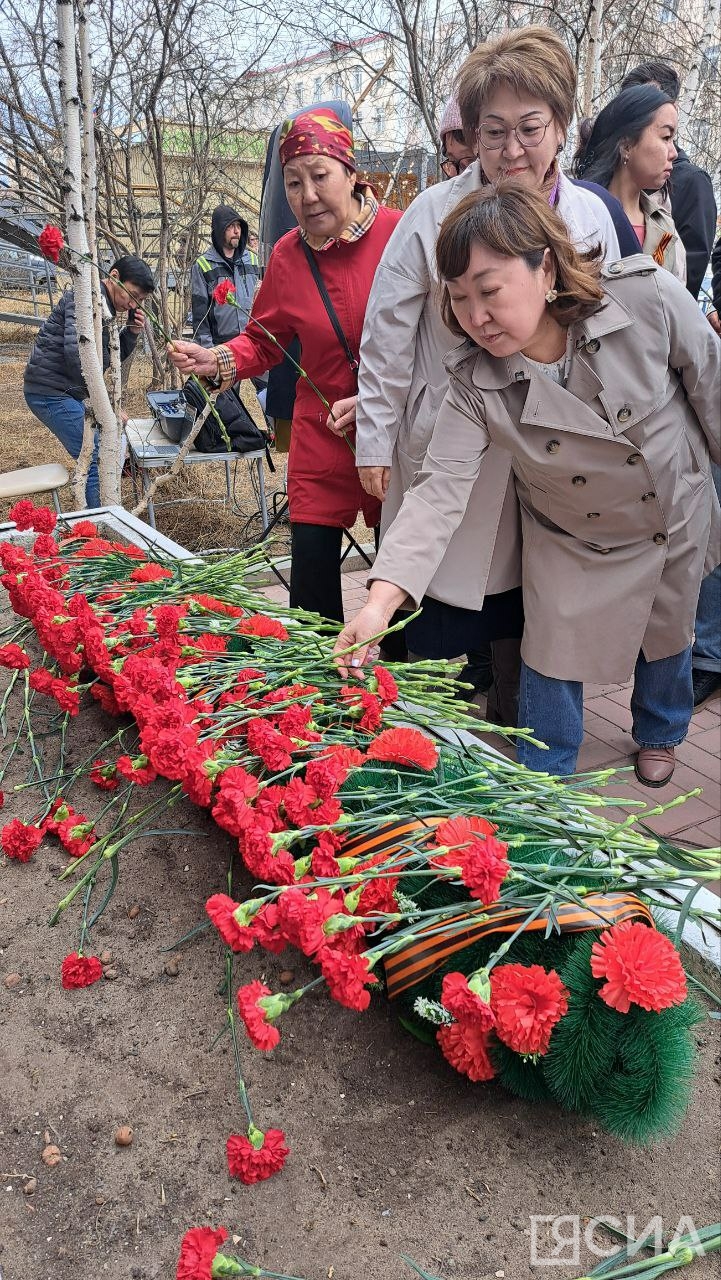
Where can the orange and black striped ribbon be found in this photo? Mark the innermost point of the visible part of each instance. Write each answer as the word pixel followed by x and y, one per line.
pixel 435 944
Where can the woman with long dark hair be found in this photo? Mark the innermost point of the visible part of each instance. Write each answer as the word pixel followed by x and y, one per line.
pixel 630 150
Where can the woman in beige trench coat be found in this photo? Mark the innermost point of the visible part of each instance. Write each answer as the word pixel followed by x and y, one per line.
pixel 604 385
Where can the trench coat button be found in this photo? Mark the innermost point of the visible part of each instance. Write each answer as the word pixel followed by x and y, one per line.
pixel 593 515
pixel 633 458
pixel 614 268
pixel 578 480
pixel 593 346
pixel 624 413
pixel 604 551
pixel 647 497
pixel 659 538
pixel 553 446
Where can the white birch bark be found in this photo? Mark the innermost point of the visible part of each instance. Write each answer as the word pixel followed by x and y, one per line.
pixel 592 70
pixel 90 357
pixel 689 89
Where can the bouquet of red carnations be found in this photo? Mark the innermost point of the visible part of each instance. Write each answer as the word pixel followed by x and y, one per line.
pixel 499 909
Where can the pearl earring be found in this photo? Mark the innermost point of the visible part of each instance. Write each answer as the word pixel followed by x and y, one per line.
pixel 625 159
pixel 551 295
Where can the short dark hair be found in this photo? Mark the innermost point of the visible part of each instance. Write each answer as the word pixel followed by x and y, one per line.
pixel 133 270
pixel 655 71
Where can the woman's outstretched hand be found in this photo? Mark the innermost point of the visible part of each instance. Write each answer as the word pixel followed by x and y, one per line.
pixel 190 357
pixel 342 416
pixel 361 630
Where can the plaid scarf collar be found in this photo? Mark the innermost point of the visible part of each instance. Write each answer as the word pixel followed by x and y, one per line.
pixel 358 225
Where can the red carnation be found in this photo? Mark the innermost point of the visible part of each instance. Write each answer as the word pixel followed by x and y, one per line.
pixel 80 971
pixel 84 529
pixel 137 770
pixel 76 834
pixel 273 748
pixel 224 292
pixel 260 1032
pixel 462 831
pixel 386 687
pixel 267 931
pixel 263 627
pixel 404 746
pixel 253 1163
pixel 43 522
pixel 527 1003
pixel 349 757
pixel 464 1004
pixel 197 1251
pixel 212 605
pixel 347 976
pixel 103 775
pixel 220 909
pixel 641 967
pixel 20 840
pixel 50 242
pixel 22 514
pixel 149 573
pixel 482 859
pixel 13 657
pixel 465 1046
pixel 363 706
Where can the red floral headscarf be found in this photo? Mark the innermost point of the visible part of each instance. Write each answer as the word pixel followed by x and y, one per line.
pixel 318 132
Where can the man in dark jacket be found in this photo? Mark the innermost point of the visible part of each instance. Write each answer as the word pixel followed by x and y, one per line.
pixel 227 258
pixel 693 207
pixel 54 386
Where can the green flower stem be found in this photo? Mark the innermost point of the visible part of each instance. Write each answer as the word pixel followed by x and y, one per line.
pixel 232 1027
pixel 84 924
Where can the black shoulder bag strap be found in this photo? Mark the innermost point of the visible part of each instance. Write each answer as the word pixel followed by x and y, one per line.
pixel 313 264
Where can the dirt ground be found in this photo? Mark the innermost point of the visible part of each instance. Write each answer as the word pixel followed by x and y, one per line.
pixel 391 1150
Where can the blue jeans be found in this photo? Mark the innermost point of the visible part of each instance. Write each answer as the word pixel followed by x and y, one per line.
pixel 707 645
pixel 65 417
pixel 661 704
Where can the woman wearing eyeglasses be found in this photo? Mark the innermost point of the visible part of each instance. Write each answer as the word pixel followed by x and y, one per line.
pixel 516 99
pixel 456 153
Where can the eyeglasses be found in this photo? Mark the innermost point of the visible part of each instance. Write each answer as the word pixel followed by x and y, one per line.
pixel 530 133
pixel 451 168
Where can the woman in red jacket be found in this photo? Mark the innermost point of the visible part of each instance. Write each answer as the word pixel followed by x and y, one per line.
pixel 342 231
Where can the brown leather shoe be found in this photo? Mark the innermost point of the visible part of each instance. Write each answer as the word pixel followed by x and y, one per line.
pixel 655 765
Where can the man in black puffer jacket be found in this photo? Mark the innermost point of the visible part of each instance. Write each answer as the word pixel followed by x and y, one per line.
pixel 53 385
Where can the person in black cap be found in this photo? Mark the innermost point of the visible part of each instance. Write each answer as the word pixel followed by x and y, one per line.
pixel 227 258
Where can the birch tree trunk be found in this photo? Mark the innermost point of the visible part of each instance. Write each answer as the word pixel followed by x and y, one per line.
pixel 690 86
pixel 90 356
pixel 592 71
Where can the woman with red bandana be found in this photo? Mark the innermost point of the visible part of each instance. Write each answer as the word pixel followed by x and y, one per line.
pixel 342 232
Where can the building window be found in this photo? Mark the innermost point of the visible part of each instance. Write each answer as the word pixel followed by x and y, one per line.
pixel 299 94
pixel 357 79
pixel 379 120
pixel 669 11
pixel 318 88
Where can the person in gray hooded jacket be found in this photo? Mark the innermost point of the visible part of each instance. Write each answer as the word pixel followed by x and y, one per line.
pixel 227 258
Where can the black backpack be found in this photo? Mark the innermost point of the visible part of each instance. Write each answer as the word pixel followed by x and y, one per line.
pixel 245 437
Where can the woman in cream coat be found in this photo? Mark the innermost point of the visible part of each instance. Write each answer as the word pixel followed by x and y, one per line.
pixel 604 388
pixel 516 98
